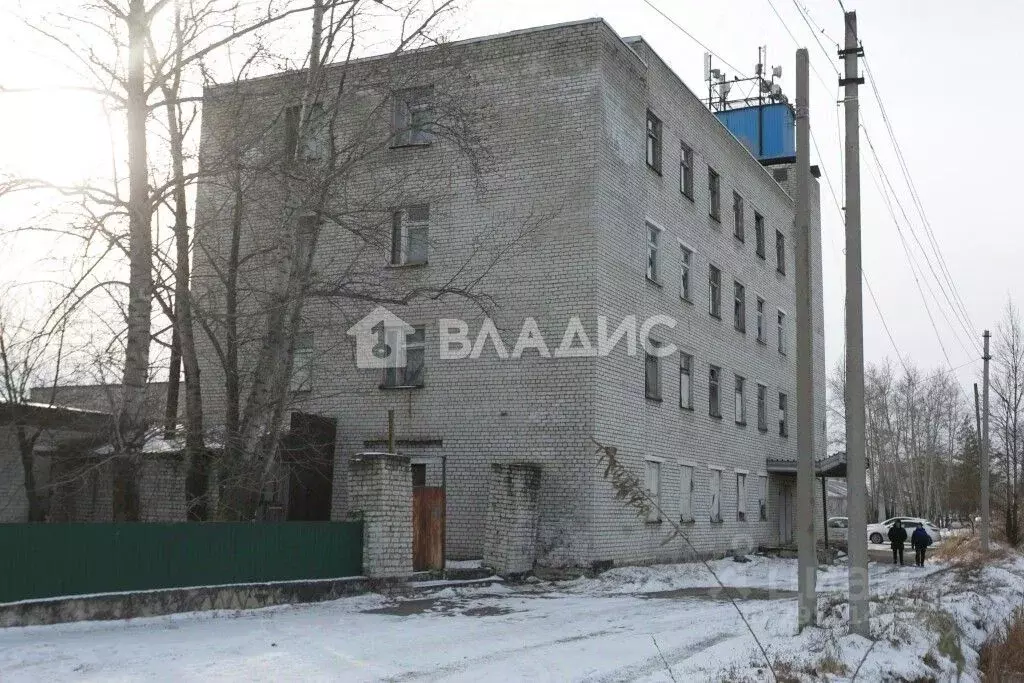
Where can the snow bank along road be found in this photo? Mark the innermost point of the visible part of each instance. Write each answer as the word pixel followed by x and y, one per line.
pixel 608 628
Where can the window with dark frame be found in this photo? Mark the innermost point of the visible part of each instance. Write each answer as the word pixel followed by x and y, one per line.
pixel 714 391
pixel 411 375
pixel 714 291
pixel 782 333
pixel 414 116
pixel 780 252
pixel 685 259
pixel 759 237
pixel 302 363
pixel 783 415
pixel 410 231
pixel 316 140
pixel 419 475
pixel 686 493
pixel 653 237
pixel 762 407
pixel 741 496
pixel 716 496
pixel 685 381
pixel 653 142
pixel 686 170
pixel 714 195
pixel 652 376
pixel 741 401
pixel 652 482
pixel 739 228
pixel 761 332
pixel 739 312
pixel 762 497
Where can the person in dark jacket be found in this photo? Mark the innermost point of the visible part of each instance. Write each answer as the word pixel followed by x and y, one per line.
pixel 920 540
pixel 897 537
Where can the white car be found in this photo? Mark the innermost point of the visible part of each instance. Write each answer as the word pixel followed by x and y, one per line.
pixel 879 533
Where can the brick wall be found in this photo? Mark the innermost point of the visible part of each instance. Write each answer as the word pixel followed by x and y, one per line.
pixel 510 541
pixel 560 113
pixel 380 493
pixel 162 488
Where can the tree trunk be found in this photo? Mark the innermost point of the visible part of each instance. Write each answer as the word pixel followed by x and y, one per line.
pixel 26 447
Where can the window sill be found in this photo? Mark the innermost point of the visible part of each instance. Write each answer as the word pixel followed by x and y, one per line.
pixel 688 409
pixel 761 256
pixel 741 240
pixel 400 266
pixel 715 218
pixel 763 430
pixel 762 342
pixel 403 387
pixel 653 399
pixel 780 272
pixel 716 316
pixel 653 282
pixel 784 436
pixel 687 521
pixel 741 424
pixel 654 169
pixel 404 145
pixel 688 196
pixel 714 417
pixel 718 521
pixel 741 330
pixel 686 299
pixel 653 522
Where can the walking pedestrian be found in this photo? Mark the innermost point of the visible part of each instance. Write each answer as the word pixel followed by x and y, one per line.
pixel 897 537
pixel 920 540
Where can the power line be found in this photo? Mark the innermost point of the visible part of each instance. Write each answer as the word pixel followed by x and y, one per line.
pixel 959 306
pixel 693 37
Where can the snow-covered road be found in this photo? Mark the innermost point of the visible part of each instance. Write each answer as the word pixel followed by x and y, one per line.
pixel 608 628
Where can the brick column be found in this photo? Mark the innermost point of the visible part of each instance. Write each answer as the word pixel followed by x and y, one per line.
pixel 510 536
pixel 380 492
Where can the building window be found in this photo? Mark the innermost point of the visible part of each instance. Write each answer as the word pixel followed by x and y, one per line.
pixel 653 235
pixel 419 475
pixel 316 139
pixel 686 381
pixel 686 493
pixel 782 333
pixel 739 229
pixel 302 363
pixel 759 234
pixel 762 407
pixel 414 116
pixel 760 321
pixel 410 229
pixel 714 391
pixel 652 375
pixel 762 498
pixel 412 374
pixel 741 400
pixel 714 195
pixel 652 482
pixel 685 259
pixel 714 291
pixel 716 496
pixel 741 496
pixel 783 415
pixel 686 170
pixel 653 142
pixel 780 252
pixel 739 309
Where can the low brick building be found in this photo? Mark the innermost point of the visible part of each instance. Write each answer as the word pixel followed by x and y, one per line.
pixel 608 192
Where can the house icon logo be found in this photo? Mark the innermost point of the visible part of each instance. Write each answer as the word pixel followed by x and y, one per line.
pixel 380 339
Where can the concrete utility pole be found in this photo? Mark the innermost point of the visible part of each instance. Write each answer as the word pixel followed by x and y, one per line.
pixel 807 557
pixel 985 518
pixel 856 461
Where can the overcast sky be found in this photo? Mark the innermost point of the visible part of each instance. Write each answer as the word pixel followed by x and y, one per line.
pixel 935 64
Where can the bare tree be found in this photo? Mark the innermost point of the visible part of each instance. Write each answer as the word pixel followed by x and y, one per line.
pixel 1008 413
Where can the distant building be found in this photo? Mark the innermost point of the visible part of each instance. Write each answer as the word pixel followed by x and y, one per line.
pixel 652 207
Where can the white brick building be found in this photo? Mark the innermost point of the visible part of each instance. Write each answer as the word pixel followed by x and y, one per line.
pixel 563 114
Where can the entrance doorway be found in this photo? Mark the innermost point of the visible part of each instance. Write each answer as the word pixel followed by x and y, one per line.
pixel 308 454
pixel 786 514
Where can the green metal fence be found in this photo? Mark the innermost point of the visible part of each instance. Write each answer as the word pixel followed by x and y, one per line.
pixel 49 560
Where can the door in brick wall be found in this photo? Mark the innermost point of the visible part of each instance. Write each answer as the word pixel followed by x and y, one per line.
pixel 785 514
pixel 428 518
pixel 308 454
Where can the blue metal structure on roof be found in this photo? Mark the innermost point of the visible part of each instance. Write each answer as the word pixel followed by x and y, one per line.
pixel 766 130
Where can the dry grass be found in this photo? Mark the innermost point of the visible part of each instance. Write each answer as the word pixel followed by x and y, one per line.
pixel 1002 655
pixel 965 552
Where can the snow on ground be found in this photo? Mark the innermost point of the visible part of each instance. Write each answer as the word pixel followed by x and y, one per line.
pixel 630 623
